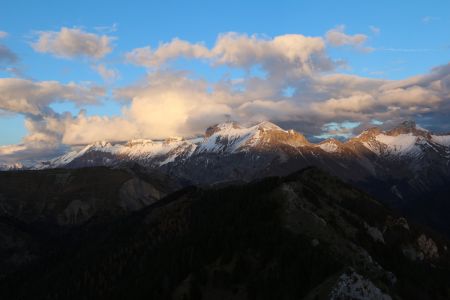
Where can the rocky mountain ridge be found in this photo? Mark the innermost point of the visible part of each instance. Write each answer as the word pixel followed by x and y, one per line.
pixel 406 140
pixel 407 167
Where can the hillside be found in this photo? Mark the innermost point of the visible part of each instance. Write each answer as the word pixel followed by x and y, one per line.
pixel 305 235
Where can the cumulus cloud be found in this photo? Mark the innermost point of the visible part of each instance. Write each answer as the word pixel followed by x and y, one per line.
pixel 337 37
pixel 166 52
pixel 11 149
pixel 42 141
pixel 84 129
pixel 33 98
pixel 73 42
pixel 165 105
pixel 293 54
pixel 168 104
pixel 391 100
pixel 45 127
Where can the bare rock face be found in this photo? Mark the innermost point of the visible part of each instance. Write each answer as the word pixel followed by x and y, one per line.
pixel 77 212
pixel 136 193
pixel 74 196
pixel 409 127
pixel 427 246
pixel 352 285
pixel 424 248
pixel 412 253
pixel 397 222
pixel 375 233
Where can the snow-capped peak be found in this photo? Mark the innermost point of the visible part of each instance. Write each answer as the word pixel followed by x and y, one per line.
pixel 408 127
pixel 405 139
pixel 222 127
pixel 230 137
pixel 266 125
pixel 368 134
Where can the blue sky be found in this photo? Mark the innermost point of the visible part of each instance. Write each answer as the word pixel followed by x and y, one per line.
pixel 408 38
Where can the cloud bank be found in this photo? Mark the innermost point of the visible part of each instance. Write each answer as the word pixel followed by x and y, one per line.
pixel 294 53
pixel 45 127
pixel 170 102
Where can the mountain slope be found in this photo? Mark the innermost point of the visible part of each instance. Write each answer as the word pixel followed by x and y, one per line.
pixel 38 207
pixel 305 235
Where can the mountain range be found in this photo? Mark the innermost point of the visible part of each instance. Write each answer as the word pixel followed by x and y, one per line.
pixel 242 212
pixel 406 167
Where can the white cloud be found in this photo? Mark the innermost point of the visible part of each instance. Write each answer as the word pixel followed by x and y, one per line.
pixel 291 54
pixel 29 97
pixel 11 149
pixel 166 52
pixel 73 42
pixel 337 37
pixel 45 127
pixel 106 73
pixel 3 34
pixel 84 129
pixel 168 104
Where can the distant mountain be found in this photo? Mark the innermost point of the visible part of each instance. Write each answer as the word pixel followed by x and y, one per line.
pixel 304 236
pixel 406 167
pixel 374 152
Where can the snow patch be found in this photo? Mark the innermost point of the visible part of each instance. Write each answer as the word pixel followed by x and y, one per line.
pixel 230 138
pixel 402 143
pixel 443 140
pixel 329 147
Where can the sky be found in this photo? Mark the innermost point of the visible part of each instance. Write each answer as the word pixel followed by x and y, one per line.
pixel 76 72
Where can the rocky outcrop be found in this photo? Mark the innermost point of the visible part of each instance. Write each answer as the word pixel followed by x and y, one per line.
pixel 135 194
